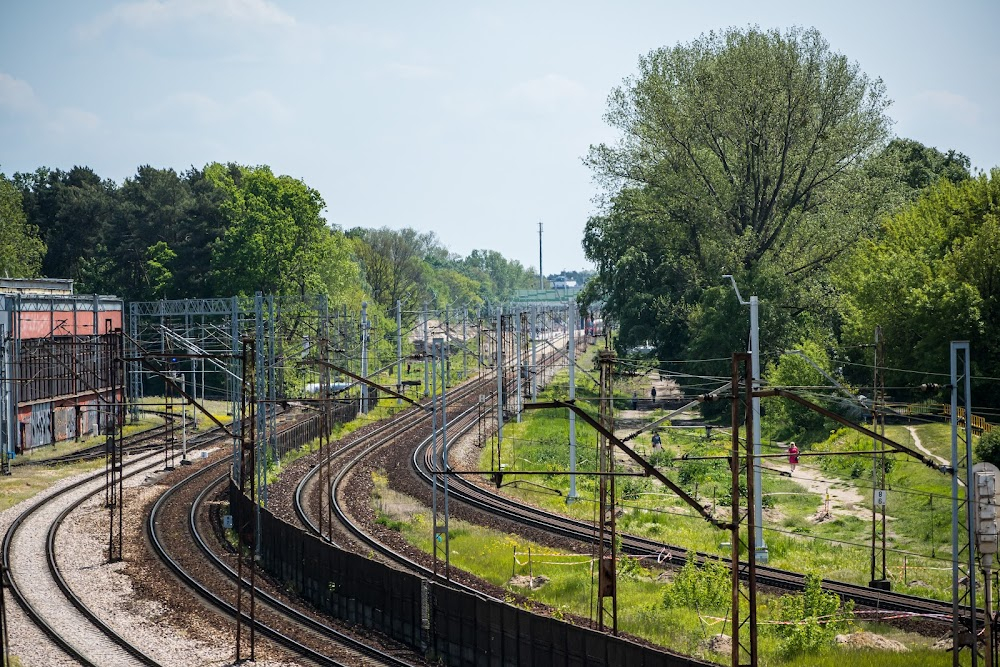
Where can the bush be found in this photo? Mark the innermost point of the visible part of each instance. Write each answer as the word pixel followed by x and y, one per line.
pixel 707 587
pixel 988 447
pixel 813 618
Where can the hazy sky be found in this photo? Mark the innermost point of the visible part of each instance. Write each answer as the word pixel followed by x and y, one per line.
pixel 468 119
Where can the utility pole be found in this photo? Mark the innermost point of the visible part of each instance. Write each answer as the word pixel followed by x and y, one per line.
pixel 606 556
pixel 499 377
pixel 364 356
pixel 879 579
pixel 744 642
pixel 399 349
pixel 426 352
pixel 963 560
pixel 541 279
pixel 759 545
pixel 572 415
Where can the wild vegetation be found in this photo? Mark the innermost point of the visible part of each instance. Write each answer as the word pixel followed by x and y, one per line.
pixel 767 155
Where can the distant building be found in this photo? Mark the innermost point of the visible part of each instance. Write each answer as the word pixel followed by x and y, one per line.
pixel 56 364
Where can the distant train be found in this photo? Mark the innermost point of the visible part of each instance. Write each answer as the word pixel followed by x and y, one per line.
pixel 595 328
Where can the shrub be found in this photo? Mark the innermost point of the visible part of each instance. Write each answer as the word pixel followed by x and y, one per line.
pixel 988 447
pixel 813 618
pixel 703 587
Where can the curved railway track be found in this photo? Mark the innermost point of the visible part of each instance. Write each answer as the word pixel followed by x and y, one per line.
pixel 207 573
pixel 29 558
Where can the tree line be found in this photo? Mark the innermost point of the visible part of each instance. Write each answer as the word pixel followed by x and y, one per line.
pixel 766 155
pixel 228 230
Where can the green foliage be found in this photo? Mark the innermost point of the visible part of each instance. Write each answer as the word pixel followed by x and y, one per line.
pixel 21 249
pixel 706 587
pixel 929 279
pixel 988 447
pixel 740 152
pixel 275 241
pixel 812 618
pixel 790 420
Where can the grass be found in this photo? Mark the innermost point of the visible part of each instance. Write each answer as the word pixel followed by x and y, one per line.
pixel 497 557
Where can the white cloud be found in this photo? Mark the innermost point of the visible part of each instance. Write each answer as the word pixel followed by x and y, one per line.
pixel 192 105
pixel 17 95
pixel 414 72
pixel 201 109
pixel 153 13
pixel 947 104
pixel 262 103
pixel 546 94
pixel 71 120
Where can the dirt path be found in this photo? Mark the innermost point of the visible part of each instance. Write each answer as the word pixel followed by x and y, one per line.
pixel 918 445
pixel 843 499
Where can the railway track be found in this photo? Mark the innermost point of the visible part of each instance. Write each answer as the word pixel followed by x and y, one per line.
pixel 464 490
pixel 34 578
pixel 178 521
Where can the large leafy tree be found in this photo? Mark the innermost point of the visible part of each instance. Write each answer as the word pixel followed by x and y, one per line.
pixel 933 276
pixel 739 153
pixel 72 210
pixel 275 241
pixel 21 249
pixel 393 265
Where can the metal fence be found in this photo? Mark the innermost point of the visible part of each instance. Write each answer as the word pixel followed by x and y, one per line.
pixel 448 625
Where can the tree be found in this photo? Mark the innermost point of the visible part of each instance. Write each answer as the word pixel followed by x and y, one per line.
pixel 500 276
pixel 72 210
pixel 737 155
pixel 392 263
pixel 932 276
pixel 275 241
pixel 923 166
pixel 21 250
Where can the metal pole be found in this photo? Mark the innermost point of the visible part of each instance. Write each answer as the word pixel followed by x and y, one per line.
pixel 960 350
pixel 465 338
pixel 444 465
pixel 426 351
pixel 534 356
pixel 760 547
pixel 758 513
pixel 520 368
pixel 541 278
pixel 499 376
pixel 364 356
pixel 572 415
pixel 399 350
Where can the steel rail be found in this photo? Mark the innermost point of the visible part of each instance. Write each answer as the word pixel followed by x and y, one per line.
pixel 29 609
pixel 291 613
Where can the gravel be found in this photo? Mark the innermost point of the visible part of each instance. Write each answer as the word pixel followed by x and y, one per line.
pixel 106 589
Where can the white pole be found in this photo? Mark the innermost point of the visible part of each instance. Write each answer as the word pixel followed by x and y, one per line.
pixel 499 376
pixel 758 513
pixel 760 547
pixel 572 396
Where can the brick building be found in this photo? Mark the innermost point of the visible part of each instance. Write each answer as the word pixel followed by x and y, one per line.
pixel 56 364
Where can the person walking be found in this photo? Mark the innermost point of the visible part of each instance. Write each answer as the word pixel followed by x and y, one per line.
pixel 657 443
pixel 652 394
pixel 793 456
pixel 635 400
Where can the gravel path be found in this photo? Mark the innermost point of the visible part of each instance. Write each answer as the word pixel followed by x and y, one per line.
pixel 108 590
pixel 30 572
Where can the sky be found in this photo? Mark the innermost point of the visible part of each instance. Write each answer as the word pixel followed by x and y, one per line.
pixel 467 119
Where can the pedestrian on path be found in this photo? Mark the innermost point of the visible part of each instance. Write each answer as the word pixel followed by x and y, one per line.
pixel 793 456
pixel 635 400
pixel 657 443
